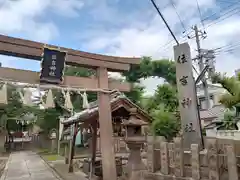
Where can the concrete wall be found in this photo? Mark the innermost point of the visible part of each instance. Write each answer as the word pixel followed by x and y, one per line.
pixel 223 134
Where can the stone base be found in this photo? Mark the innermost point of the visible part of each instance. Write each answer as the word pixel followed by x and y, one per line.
pixel 135 160
pixel 98 167
pixel 135 175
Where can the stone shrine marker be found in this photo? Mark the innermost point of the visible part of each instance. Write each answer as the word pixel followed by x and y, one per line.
pixel 190 122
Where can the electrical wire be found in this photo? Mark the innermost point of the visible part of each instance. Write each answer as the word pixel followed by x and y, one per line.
pixel 226 47
pixel 221 10
pixel 200 15
pixel 230 48
pixel 180 19
pixel 165 22
pixel 165 46
pixel 235 11
pixel 227 1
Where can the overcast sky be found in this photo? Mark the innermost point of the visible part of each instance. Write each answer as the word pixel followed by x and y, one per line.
pixel 123 28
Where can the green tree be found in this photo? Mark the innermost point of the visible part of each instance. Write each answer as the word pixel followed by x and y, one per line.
pixel 48 119
pixel 232 85
pixel 136 94
pixel 14 110
pixel 166 94
pixel 163 106
pixel 163 68
pixel 231 99
pixel 229 121
pixel 165 123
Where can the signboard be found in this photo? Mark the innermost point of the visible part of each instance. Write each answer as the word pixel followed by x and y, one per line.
pixel 53 63
pixel 190 122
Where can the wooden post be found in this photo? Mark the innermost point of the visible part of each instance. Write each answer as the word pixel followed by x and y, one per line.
pixel 195 162
pixel 94 146
pixel 212 155
pixel 178 150
pixel 232 163
pixel 106 129
pixel 72 148
pixel 53 145
pixel 66 152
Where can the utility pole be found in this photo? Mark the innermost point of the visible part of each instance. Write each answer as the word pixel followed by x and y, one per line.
pixel 201 65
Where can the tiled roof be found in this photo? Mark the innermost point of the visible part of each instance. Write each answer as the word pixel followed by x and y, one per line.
pixel 114 97
pixel 214 112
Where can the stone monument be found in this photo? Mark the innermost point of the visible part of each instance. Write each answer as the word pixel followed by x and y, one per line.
pixel 190 120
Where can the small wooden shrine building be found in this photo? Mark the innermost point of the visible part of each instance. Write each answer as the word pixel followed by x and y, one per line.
pixel 121 107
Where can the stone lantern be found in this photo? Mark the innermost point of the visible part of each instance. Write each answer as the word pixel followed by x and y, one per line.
pixel 134 140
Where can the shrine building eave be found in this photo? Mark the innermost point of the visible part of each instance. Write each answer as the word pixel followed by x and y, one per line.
pixel 117 101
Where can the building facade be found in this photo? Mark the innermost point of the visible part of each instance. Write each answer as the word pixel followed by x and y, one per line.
pixel 216 110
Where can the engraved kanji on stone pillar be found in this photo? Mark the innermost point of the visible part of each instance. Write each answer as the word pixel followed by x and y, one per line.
pixel 190 122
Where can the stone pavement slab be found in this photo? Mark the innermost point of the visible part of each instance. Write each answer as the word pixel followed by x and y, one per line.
pixel 27 165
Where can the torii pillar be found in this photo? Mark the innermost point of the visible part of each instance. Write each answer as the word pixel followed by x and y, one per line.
pixel 106 130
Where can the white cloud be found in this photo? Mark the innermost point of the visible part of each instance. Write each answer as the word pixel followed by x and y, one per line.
pixel 69 8
pixel 23 17
pixel 133 41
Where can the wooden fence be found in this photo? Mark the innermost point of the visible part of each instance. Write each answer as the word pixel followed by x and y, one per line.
pixel 168 161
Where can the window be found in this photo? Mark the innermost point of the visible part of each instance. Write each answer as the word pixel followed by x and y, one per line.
pixel 203 102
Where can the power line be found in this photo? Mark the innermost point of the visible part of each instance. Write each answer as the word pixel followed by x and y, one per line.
pixel 228 13
pixel 230 45
pixel 227 1
pixel 165 46
pixel 228 50
pixel 183 26
pixel 221 10
pixel 160 14
pixel 224 18
pixel 199 11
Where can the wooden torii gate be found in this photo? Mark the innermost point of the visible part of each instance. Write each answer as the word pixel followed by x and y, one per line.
pixel 33 50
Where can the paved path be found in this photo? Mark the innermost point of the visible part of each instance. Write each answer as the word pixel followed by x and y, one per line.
pixel 27 165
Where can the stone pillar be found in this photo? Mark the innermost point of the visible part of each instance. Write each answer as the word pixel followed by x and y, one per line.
pixel 150 154
pixel 190 120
